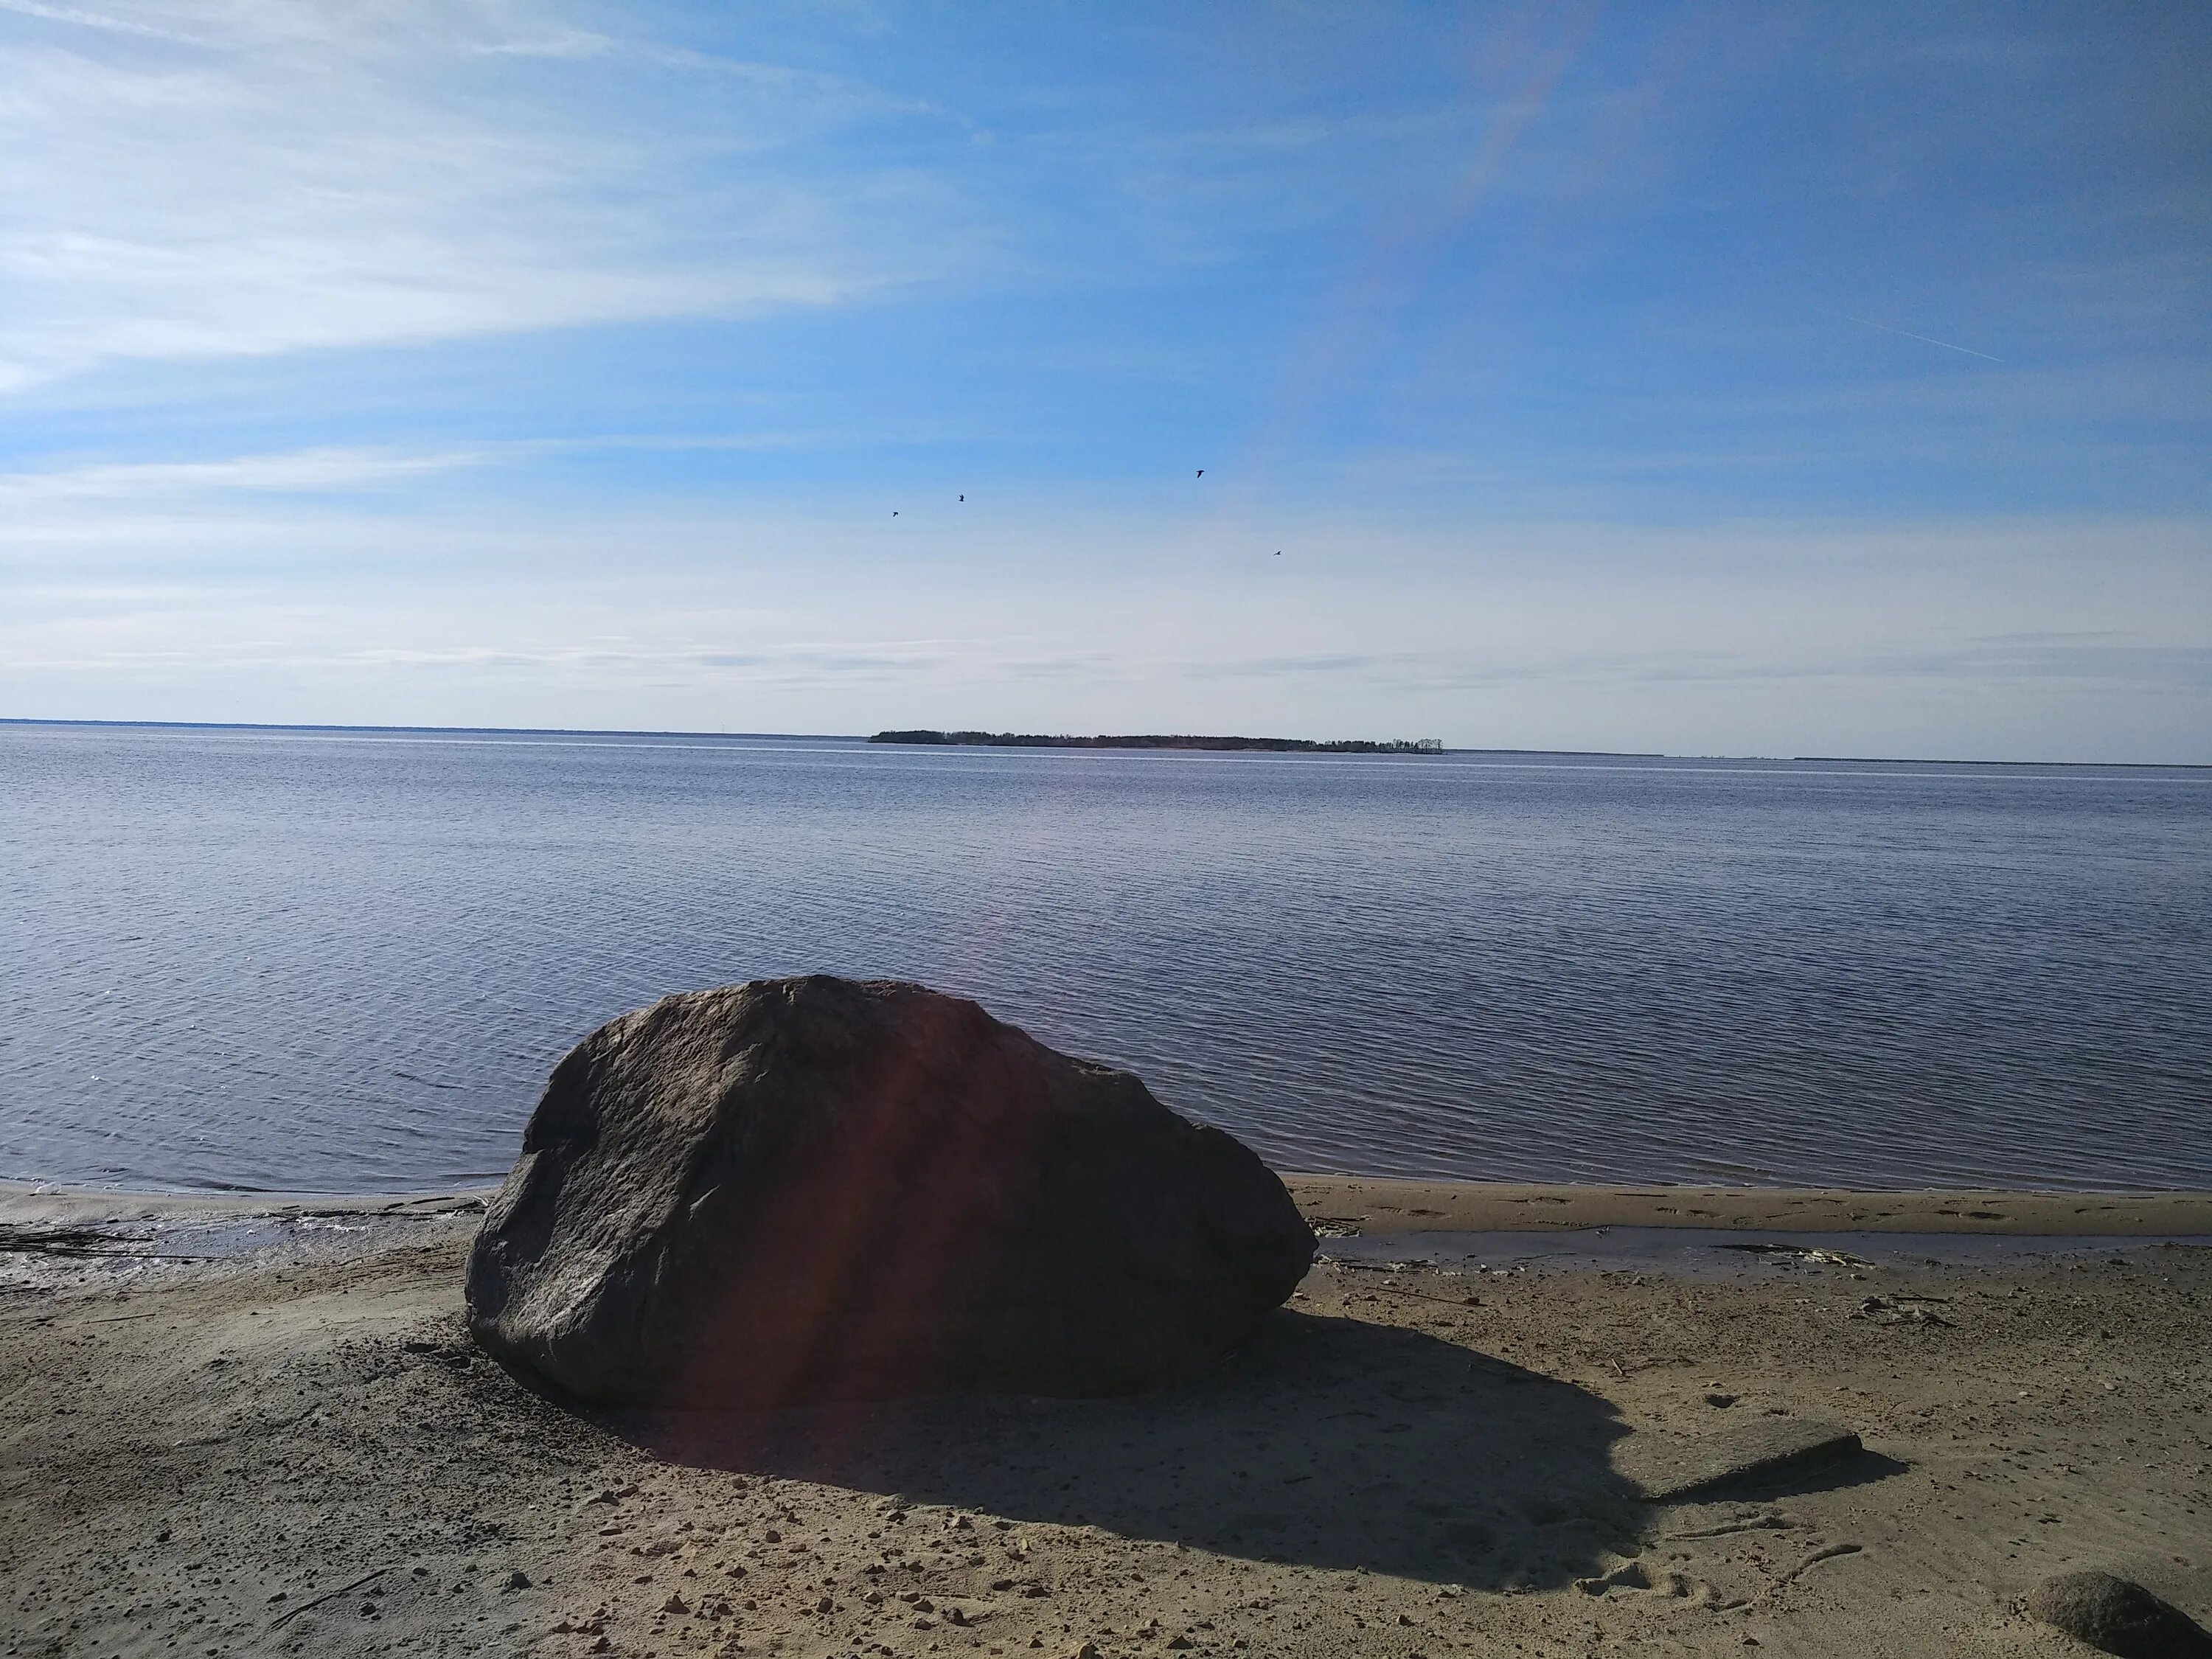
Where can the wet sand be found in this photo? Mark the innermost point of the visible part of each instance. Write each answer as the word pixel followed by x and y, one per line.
pixel 1370 1205
pixel 261 1429
pixel 1374 1206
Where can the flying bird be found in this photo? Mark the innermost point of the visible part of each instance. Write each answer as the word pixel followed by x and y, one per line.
pixel 1201 472
pixel 963 498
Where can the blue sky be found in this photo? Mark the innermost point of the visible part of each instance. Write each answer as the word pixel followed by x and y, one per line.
pixel 1755 379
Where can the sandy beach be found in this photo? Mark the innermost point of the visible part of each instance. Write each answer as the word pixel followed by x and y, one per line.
pixel 240 1425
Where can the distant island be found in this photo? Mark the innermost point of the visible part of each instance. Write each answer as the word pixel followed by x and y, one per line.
pixel 1155 740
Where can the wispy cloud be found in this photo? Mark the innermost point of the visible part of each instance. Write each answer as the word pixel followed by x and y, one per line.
pixel 304 470
pixel 561 43
pixel 340 468
pixel 109 22
pixel 204 179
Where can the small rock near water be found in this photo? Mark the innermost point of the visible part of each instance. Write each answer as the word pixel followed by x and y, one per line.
pixel 2119 1616
pixel 818 1188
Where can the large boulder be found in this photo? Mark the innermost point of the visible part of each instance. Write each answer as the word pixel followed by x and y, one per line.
pixel 813 1188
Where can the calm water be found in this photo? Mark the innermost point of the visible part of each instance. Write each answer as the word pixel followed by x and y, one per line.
pixel 303 960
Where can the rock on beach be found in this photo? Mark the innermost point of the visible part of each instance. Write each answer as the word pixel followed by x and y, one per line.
pixel 818 1188
pixel 2119 1616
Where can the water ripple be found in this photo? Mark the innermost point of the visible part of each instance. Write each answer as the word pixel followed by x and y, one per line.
pixel 299 960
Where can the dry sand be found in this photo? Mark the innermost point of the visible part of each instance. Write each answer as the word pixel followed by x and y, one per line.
pixel 297 1451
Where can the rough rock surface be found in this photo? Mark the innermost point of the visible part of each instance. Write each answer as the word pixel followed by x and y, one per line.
pixel 2118 1615
pixel 818 1188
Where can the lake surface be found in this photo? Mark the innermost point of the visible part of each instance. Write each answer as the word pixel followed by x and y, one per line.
pixel 304 960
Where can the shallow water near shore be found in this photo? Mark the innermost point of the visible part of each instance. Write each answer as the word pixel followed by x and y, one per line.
pixel 145 1255
pixel 288 960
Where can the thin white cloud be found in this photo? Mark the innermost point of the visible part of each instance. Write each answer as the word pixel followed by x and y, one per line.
pixel 79 17
pixel 203 180
pixel 304 471
pixel 332 469
pixel 565 43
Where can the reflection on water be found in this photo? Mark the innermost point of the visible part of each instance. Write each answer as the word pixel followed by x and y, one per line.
pixel 332 961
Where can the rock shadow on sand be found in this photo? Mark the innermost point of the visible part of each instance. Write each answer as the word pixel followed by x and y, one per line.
pixel 1326 1441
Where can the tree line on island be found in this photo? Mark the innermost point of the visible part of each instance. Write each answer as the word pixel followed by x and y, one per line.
pixel 1158 740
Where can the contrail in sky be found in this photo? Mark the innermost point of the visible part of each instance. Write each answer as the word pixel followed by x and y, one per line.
pixel 1870 323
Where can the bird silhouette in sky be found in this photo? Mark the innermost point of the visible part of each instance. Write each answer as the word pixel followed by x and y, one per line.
pixel 895 513
pixel 963 498
pixel 1201 472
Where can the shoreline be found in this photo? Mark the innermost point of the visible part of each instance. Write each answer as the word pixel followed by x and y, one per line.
pixel 1366 1205
pixel 1380 1206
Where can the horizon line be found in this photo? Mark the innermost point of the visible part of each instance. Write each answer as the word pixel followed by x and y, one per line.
pixel 857 737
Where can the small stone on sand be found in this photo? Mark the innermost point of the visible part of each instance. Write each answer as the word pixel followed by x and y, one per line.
pixel 2118 1616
